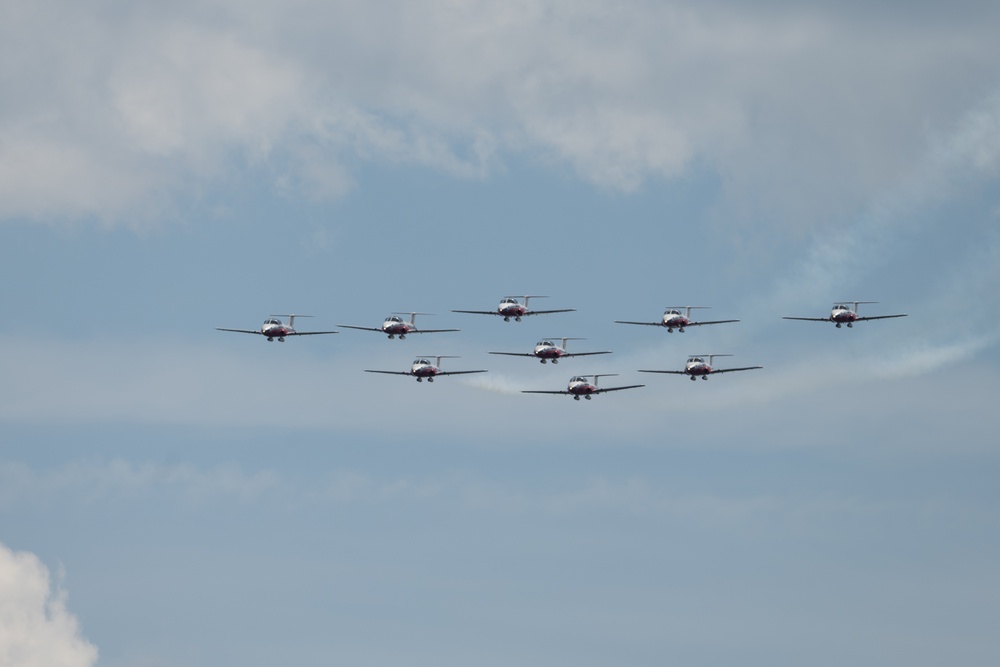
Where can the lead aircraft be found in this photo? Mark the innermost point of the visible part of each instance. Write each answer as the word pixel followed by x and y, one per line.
pixel 422 368
pixel 579 386
pixel 697 367
pixel 275 328
pixel 546 350
pixel 510 307
pixel 673 319
pixel 394 325
pixel 842 314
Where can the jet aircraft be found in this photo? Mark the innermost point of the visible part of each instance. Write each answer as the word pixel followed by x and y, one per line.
pixel 546 350
pixel 673 319
pixel 275 328
pixel 423 368
pixel 579 386
pixel 697 367
pixel 510 307
pixel 842 314
pixel 394 325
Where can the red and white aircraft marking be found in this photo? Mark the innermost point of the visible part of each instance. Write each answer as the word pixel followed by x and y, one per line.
pixel 275 328
pixel 510 307
pixel 697 367
pixel 579 386
pixel 673 319
pixel 394 325
pixel 546 350
pixel 842 314
pixel 423 368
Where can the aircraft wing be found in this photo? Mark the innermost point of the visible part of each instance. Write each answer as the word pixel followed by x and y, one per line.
pixel 477 312
pixel 732 370
pixel 249 331
pixel 878 317
pixel 413 331
pixel 601 390
pixel 581 354
pixel 645 324
pixel 459 372
pixel 537 391
pixel 698 324
pixel 808 319
pixel 311 333
pixel 671 372
pixel 516 354
pixel 546 312
pixel 349 326
pixel 407 373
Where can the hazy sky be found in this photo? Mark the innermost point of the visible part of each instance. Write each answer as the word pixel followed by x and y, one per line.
pixel 176 496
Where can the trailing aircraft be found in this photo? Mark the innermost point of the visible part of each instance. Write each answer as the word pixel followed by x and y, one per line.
pixel 275 328
pixel 546 350
pixel 842 314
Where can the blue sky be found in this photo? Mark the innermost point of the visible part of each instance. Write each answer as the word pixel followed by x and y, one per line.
pixel 175 496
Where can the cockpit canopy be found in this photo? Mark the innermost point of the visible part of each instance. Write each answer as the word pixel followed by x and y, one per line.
pixel 578 379
pixel 673 311
pixel 273 321
pixel 509 301
pixel 545 343
pixel 393 318
pixel 840 306
pixel 421 362
pixel 696 360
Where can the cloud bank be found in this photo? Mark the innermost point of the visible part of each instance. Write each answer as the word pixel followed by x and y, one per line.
pixel 119 114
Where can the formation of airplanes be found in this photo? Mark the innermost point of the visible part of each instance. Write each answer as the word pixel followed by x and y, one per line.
pixel 516 307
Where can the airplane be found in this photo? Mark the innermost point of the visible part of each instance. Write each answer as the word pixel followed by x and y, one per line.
pixel 697 366
pixel 579 386
pixel 673 319
pixel 275 328
pixel 842 314
pixel 394 325
pixel 546 350
pixel 422 368
pixel 510 307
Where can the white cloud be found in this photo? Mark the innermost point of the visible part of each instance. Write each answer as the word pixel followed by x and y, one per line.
pixel 114 115
pixel 36 629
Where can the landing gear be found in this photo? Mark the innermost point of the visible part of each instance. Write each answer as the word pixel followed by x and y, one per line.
pixel 693 378
pixel 704 377
pixel 506 319
pixel 555 361
pixel 420 379
pixel 850 325
pixel 517 319
pixel 543 361
pixel 281 340
pixel 577 398
pixel 838 325
pixel 670 329
pixel 391 336
pixel 402 336
pixel 681 329
pixel 587 397
pixel 270 340
pixel 430 379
